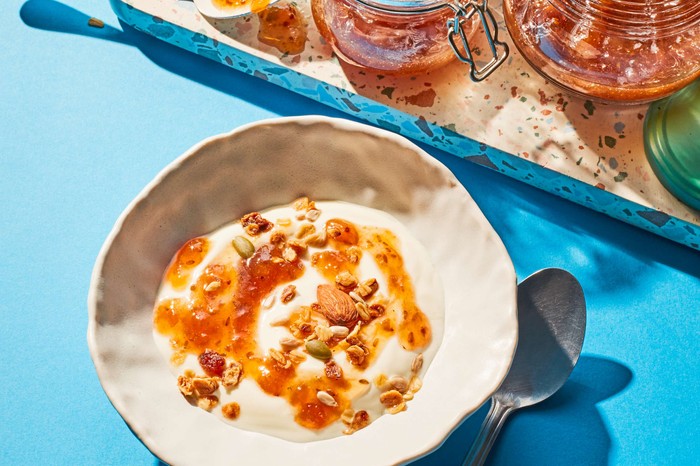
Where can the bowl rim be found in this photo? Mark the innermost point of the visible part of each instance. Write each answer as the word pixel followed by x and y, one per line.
pixel 440 433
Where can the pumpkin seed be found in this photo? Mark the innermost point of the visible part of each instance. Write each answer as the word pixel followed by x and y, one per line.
pixel 318 349
pixel 243 247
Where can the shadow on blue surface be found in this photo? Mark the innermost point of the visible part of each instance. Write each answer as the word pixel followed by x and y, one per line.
pixel 607 254
pixel 51 15
pixel 565 429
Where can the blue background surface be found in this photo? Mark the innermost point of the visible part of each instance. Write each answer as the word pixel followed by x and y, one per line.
pixel 89 116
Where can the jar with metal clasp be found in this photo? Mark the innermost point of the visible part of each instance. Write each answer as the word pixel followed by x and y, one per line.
pixel 624 51
pixel 405 37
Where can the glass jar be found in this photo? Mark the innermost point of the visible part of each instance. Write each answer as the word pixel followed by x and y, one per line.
pixel 409 36
pixel 611 50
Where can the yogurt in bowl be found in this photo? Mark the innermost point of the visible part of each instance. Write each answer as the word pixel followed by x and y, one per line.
pixel 467 294
pixel 305 322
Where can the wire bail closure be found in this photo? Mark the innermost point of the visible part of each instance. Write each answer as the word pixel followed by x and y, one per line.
pixel 455 26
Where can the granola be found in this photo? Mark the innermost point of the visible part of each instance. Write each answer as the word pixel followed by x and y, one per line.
pixel 247 320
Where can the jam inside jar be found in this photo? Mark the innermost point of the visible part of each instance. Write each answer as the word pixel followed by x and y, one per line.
pixel 625 51
pixel 406 37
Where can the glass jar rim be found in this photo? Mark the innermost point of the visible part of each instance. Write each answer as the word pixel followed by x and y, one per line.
pixel 409 6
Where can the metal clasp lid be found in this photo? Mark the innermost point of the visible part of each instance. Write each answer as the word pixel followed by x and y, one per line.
pixel 499 50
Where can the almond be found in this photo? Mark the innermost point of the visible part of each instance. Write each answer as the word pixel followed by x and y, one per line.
pixel 336 306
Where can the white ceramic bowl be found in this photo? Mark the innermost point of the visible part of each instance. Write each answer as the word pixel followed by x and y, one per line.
pixel 271 163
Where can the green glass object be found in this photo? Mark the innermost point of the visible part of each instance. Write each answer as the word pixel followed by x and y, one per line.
pixel 672 143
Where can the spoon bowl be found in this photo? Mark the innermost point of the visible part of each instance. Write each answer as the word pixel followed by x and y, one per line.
pixel 551 325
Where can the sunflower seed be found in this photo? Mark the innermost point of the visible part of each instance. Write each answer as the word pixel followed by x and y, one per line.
pixel 268 301
pixel 211 286
pixel 96 23
pixel 326 399
pixel 339 331
pixel 417 363
pixel 289 343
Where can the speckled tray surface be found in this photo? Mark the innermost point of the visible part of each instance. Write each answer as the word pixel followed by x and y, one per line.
pixel 514 122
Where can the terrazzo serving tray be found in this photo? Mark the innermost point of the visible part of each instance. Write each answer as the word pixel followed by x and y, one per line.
pixel 514 122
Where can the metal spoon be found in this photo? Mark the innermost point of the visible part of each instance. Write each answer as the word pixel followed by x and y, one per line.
pixel 551 324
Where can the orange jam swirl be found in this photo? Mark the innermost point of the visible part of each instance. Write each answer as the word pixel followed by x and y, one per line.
pixel 219 317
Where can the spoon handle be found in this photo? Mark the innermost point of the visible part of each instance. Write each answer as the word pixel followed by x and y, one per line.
pixel 487 434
